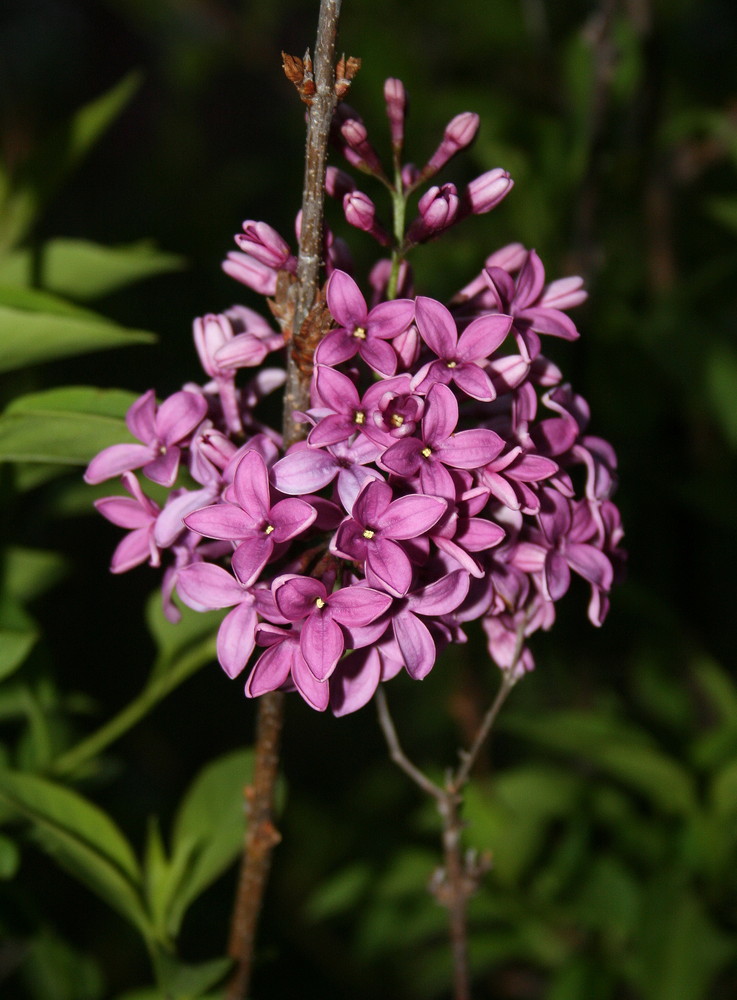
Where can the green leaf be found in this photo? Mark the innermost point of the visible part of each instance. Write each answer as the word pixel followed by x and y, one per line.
pixel 35 301
pixel 18 634
pixel 82 838
pixel 31 338
pixel 723 791
pixel 54 970
pixel 63 148
pixel 189 982
pixel 9 857
pixel 209 829
pixel 83 271
pixel 721 388
pixel 68 425
pixel 28 573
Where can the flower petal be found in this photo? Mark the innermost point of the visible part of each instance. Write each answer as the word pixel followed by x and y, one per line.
pixel 437 326
pixel 322 644
pixel 416 644
pixel 205 586
pixel 235 639
pixel 345 301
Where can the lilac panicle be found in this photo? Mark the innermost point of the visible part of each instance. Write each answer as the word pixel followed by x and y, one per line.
pixel 447 473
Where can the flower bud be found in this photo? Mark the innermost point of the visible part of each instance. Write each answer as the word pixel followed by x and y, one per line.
pixel 364 156
pixel 360 212
pixel 438 211
pixel 486 191
pixel 210 333
pixel 265 245
pixel 396 110
pixel 459 133
pixel 250 272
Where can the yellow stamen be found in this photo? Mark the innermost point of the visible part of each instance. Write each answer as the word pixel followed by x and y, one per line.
pixel 359 333
pixel 360 417
pixel 368 533
pixel 451 364
pixel 397 420
pixel 268 529
pixel 426 452
pixel 320 603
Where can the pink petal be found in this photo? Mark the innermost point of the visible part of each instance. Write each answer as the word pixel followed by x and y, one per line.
pixel 179 415
pixel 441 414
pixel 271 670
pixel 290 517
pixel 116 459
pixel 235 640
pixel 471 449
pixel 250 558
pixel 315 693
pixel 204 586
pixel 416 644
pixel 358 606
pixel 141 417
pixel 389 319
pixel 442 596
pixel 131 551
pixel 322 644
pixel 387 566
pixel 590 563
pixel 552 322
pixel 378 355
pixel 530 281
pixel 345 302
pixel 437 326
pixel 164 468
pixel 124 511
pixel 304 471
pixel 221 520
pixel 482 337
pixel 335 390
pixel 354 682
pixel 251 486
pixel 411 516
pixel 295 596
pixel 474 382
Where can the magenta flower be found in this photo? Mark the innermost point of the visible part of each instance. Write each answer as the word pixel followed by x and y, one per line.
pixel 161 429
pixel 251 520
pixel 205 587
pixel 137 513
pixel 282 662
pixel 378 523
pixel 361 330
pixel 307 470
pixel 260 241
pixel 438 209
pixel 303 599
pixel 459 133
pixel 459 358
pixel 395 97
pixel 439 446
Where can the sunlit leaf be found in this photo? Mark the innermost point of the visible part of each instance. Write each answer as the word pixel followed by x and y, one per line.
pixel 31 338
pixel 85 271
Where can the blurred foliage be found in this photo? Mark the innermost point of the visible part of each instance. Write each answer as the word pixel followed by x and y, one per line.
pixel 135 135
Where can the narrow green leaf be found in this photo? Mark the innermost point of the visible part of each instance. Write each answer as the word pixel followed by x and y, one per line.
pixel 35 301
pixel 31 338
pixel 81 837
pixel 9 857
pixel 18 634
pixel 209 828
pixel 85 271
pixel 68 425
pixel 182 981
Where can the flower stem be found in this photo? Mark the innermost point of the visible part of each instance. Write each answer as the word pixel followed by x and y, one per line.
pixel 262 835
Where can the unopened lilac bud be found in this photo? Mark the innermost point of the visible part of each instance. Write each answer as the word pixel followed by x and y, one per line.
pixel 486 191
pixel 438 209
pixel 250 272
pixel 410 176
pixel 396 110
pixel 360 212
pixel 510 257
pixel 364 156
pixel 338 183
pixel 459 133
pixel 210 333
pixel 265 245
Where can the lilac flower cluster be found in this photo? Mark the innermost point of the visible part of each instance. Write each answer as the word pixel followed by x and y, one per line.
pixel 446 473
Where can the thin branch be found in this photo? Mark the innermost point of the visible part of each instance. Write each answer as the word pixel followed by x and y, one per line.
pixel 398 755
pixel 262 835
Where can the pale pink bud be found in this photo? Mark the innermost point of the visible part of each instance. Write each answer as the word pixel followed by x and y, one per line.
pixel 265 245
pixel 486 191
pixel 510 257
pixel 410 176
pixel 211 332
pixel 360 212
pixel 438 210
pixel 364 156
pixel 250 272
pixel 565 293
pixel 459 133
pixel 396 110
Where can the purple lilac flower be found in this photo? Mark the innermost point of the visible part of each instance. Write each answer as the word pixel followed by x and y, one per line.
pixel 138 513
pixel 460 359
pixel 377 524
pixel 161 429
pixel 361 330
pixel 303 599
pixel 252 520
